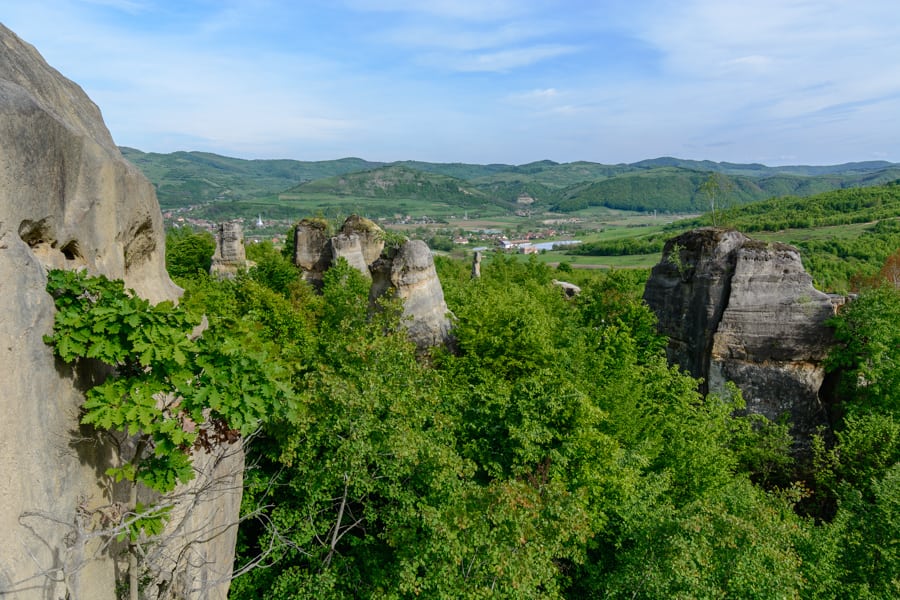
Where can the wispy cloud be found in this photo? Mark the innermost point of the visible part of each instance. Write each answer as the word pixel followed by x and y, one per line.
pixel 450 37
pixel 543 94
pixel 498 61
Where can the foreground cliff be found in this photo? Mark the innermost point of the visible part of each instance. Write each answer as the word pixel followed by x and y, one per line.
pixel 69 200
pixel 742 311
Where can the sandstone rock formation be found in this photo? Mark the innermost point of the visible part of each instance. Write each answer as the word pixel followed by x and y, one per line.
pixel 69 200
pixel 349 247
pixel 740 310
pixel 371 237
pixel 359 242
pixel 230 255
pixel 408 273
pixel 312 248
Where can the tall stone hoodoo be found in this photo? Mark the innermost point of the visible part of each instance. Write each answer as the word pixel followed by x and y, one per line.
pixel 69 200
pixel 744 311
pixel 370 236
pixel 230 255
pixel 312 248
pixel 408 273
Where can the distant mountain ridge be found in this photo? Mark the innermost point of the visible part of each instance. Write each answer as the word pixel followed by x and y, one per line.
pixel 394 181
pixel 665 184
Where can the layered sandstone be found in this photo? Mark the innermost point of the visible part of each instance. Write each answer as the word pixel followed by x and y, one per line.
pixel 230 255
pixel 408 273
pixel 742 311
pixel 359 241
pixel 312 248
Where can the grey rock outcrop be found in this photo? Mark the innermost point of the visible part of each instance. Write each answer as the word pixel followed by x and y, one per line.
pixel 569 289
pixel 349 247
pixel 69 200
pixel 312 248
pixel 476 265
pixel 743 311
pixel 230 255
pixel 359 242
pixel 408 273
pixel 370 235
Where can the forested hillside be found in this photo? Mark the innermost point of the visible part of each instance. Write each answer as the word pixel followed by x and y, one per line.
pixel 680 190
pixel 394 182
pixel 185 178
pixel 667 185
pixel 844 235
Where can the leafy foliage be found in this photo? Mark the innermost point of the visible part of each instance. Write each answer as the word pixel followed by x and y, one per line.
pixel 545 458
pixel 173 391
pixel 188 252
pixel 868 353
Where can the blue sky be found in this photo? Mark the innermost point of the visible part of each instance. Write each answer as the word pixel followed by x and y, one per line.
pixel 512 81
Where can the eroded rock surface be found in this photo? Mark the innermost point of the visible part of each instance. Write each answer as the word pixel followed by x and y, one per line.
pixel 67 200
pixel 406 272
pixel 370 236
pixel 740 310
pixel 359 242
pixel 230 255
pixel 349 247
pixel 312 248
pixel 409 274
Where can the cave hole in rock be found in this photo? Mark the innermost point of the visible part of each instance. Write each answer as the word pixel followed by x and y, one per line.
pixel 71 251
pixel 36 233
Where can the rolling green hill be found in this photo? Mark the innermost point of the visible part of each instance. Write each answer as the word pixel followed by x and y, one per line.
pixel 184 178
pixel 679 190
pixel 843 235
pixel 663 184
pixel 397 182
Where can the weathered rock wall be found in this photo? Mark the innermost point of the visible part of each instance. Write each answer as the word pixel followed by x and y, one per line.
pixel 312 248
pixel 67 199
pixel 349 247
pixel 743 311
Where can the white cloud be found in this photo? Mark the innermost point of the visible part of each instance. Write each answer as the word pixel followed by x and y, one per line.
pixel 714 78
pixel 542 94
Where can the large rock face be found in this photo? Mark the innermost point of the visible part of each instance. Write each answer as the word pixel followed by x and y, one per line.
pixel 739 310
pixel 312 248
pixel 67 199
